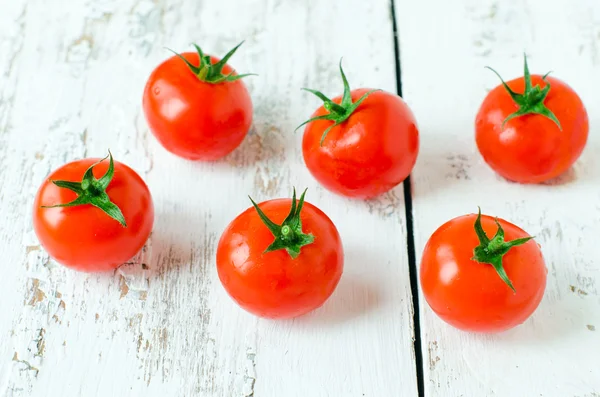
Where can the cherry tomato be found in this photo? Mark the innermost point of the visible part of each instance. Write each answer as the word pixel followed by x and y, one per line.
pixel 279 259
pixel 197 112
pixel 361 144
pixel 91 224
pixel 531 129
pixel 480 284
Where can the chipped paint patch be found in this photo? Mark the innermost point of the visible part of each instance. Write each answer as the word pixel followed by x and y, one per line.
pixel 37 295
pixel 459 166
pixel 135 321
pixel 250 375
pixel 587 284
pixel 123 287
pixel 591 327
pixel 31 248
pixel 577 291
pixel 387 204
pixel 28 366
pixel 40 343
pixel 433 357
pixel 60 312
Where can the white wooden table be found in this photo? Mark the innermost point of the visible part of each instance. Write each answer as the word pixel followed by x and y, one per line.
pixel 72 79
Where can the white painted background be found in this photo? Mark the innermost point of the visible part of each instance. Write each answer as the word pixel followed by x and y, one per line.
pixel 71 86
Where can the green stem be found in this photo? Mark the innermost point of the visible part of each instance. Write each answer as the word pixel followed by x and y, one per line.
pixel 288 235
pixel 211 73
pixel 531 101
pixel 92 191
pixel 286 231
pixel 338 113
pixel 492 251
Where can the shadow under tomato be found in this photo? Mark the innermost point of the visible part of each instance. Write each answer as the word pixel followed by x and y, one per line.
pixel 444 160
pixel 560 316
pixel 262 143
pixel 180 241
pixel 354 297
pixel 565 178
pixel 452 158
pixel 560 319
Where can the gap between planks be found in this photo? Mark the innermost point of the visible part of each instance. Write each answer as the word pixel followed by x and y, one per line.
pixel 410 238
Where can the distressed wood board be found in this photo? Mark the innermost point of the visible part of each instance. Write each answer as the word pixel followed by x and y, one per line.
pixel 443 52
pixel 71 87
pixel 72 80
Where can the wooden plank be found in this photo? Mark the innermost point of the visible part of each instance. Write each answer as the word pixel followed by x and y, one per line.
pixel 74 79
pixel 443 54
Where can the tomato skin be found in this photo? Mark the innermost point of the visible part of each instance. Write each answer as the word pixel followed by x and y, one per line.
pixel 370 153
pixel 83 237
pixel 470 295
pixel 531 148
pixel 272 284
pixel 194 119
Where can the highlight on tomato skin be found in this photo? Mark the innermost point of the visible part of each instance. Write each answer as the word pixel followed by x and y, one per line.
pixel 281 258
pixel 531 129
pixel 93 215
pixel 362 143
pixel 197 106
pixel 482 274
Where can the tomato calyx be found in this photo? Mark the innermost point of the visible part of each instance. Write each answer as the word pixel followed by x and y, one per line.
pixel 209 72
pixel 338 113
pixel 531 101
pixel 491 251
pixel 93 191
pixel 288 235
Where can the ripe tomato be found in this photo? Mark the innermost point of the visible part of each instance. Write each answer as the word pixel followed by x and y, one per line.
pixel 360 144
pixel 197 112
pixel 534 136
pixel 280 260
pixel 91 224
pixel 478 284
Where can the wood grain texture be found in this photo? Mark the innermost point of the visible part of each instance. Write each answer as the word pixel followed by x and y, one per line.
pixel 443 54
pixel 72 80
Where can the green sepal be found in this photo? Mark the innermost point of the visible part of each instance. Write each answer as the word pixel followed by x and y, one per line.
pixel 208 72
pixel 288 235
pixel 531 101
pixel 92 191
pixel 338 113
pixel 491 251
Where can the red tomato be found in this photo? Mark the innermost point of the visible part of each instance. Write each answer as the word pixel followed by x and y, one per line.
pixel 361 144
pixel 534 136
pixel 197 112
pixel 108 220
pixel 467 279
pixel 279 260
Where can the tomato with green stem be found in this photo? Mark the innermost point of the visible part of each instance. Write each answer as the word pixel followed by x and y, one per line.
pixel 93 216
pixel 531 129
pixel 197 106
pixel 480 284
pixel 281 258
pixel 360 144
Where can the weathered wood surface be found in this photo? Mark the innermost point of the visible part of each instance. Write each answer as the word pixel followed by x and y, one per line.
pixel 444 47
pixel 72 80
pixel 71 87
